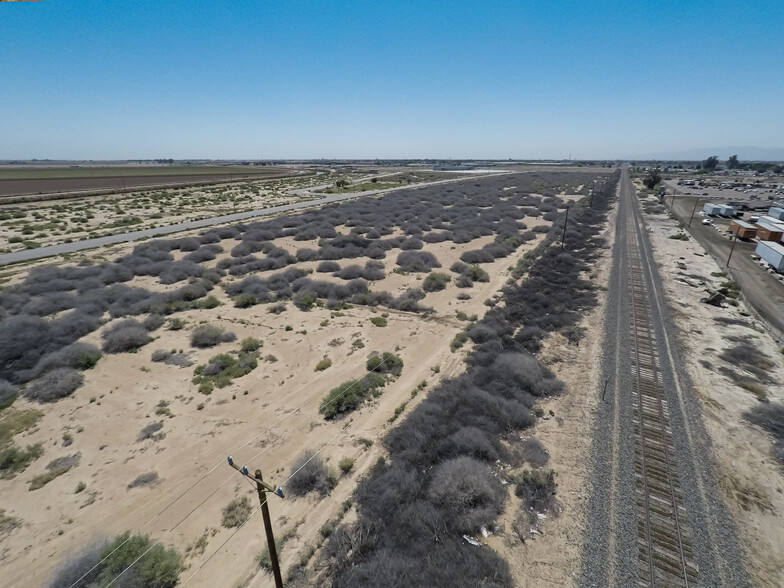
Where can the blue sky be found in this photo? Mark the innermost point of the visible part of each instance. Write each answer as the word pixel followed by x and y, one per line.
pixel 309 79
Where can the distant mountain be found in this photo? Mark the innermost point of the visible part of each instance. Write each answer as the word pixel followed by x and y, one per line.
pixel 743 153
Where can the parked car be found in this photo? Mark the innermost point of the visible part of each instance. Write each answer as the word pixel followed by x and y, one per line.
pixel 706 221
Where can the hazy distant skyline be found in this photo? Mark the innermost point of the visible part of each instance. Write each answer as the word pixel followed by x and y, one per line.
pixel 245 79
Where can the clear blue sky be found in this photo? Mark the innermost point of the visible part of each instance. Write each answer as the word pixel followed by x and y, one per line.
pixel 305 79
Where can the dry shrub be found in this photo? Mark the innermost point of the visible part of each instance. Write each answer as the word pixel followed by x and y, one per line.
pixel 771 418
pixel 58 383
pixel 236 512
pixel 127 335
pixel 145 480
pixel 535 453
pixel 468 491
pixel 310 474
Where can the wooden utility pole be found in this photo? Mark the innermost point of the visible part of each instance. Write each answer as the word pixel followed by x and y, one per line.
pixel 566 219
pixel 262 488
pixel 693 210
pixel 731 250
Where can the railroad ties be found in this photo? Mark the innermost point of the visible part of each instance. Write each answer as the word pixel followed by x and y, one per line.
pixel 665 556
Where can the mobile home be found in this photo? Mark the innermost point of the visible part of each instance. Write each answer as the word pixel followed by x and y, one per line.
pixel 773 253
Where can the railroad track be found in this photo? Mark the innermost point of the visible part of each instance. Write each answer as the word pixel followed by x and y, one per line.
pixel 664 542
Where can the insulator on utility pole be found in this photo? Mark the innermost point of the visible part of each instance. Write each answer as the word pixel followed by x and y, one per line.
pixel 262 488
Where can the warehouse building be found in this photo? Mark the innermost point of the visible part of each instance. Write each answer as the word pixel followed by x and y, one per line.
pixel 769 232
pixel 773 253
pixel 743 229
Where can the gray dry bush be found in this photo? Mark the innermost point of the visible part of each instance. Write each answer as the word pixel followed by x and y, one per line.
pixel 210 336
pixel 401 511
pixel 126 335
pixel 770 417
pixel 144 480
pixel 535 453
pixel 151 432
pixel 310 474
pixel 53 385
pixel 470 495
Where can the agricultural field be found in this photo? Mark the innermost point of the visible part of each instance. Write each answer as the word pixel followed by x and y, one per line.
pixel 377 358
pixel 35 224
pixel 16 181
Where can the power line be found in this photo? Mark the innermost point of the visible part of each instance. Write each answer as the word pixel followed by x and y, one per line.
pixel 323 447
pixel 358 382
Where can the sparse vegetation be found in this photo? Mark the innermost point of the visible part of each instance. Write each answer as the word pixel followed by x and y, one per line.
pixel 346 464
pixel 310 474
pixel 236 512
pixel 210 336
pixel 379 321
pixel 101 564
pixel 144 480
pixel 323 364
pixel 770 417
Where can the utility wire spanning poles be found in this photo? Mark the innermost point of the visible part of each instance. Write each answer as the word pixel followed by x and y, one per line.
pixel 262 487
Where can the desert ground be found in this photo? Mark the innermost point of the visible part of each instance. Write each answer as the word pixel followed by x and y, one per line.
pixel 141 444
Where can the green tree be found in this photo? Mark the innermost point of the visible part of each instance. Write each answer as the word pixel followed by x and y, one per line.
pixel 341 183
pixel 711 162
pixel 732 162
pixel 652 178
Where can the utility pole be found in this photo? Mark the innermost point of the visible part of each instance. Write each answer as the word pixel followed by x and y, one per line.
pixel 262 488
pixel 731 250
pixel 566 219
pixel 693 210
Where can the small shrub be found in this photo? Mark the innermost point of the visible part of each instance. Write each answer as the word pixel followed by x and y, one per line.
pixel 535 453
pixel 310 474
pixel 58 383
pixel 175 324
pixel 14 460
pixel 250 344
pixel 206 336
pixel 379 321
pixel 435 281
pixel 264 559
pixel 80 487
pixel 477 274
pixel 151 432
pixel 537 489
pixel 458 341
pixel 346 464
pixel 236 512
pixel 159 568
pixel 385 363
pixel 323 364
pixel 770 417
pixel 127 335
pixel 144 480
pixel 398 411
pixel 277 308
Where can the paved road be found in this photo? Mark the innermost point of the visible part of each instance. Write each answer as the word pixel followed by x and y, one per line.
pixel 51 250
pixel 613 544
pixel 761 290
pixel 41 252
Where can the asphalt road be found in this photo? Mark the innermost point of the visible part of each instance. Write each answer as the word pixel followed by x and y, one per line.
pixel 41 252
pixel 610 551
pixel 761 290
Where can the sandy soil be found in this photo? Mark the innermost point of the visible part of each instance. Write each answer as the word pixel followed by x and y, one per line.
pixel 750 478
pixel 265 419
